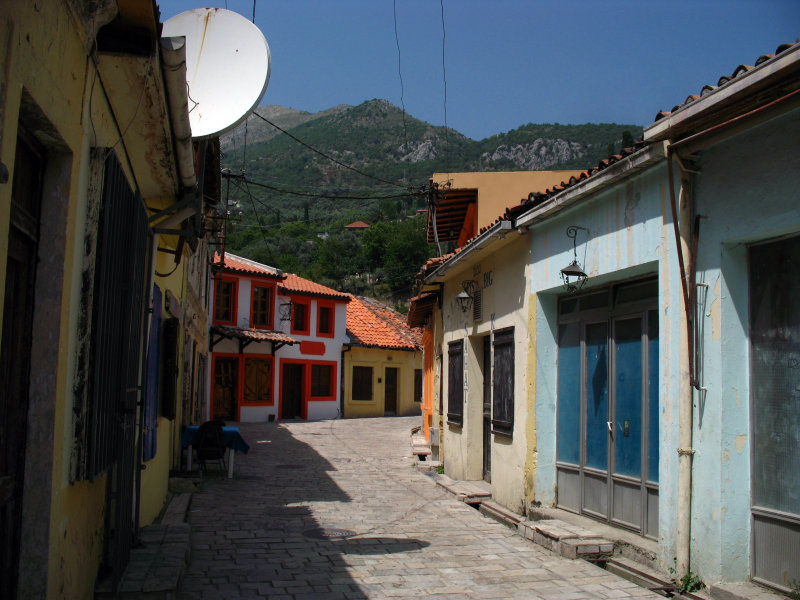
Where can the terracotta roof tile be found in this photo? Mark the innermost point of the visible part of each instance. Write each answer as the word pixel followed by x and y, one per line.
pixel 253 335
pixel 737 72
pixel 372 324
pixel 294 284
pixel 245 266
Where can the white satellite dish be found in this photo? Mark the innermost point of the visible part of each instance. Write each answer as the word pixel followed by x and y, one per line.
pixel 227 67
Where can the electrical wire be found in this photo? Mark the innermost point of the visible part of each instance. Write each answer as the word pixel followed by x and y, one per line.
pixel 444 79
pixel 400 74
pixel 328 157
pixel 329 197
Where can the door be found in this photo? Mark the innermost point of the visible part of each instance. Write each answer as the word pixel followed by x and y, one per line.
pixel 607 420
pixel 292 391
pixel 15 354
pixel 226 384
pixel 390 392
pixel 774 409
pixel 487 409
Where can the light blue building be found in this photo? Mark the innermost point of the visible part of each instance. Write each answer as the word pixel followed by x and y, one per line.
pixel 667 389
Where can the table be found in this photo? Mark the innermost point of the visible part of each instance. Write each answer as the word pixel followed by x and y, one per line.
pixel 231 439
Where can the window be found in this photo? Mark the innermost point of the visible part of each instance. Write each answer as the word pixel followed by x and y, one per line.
pixel 503 382
pixel 321 381
pixel 417 385
pixel 362 383
pixel 225 301
pixel 300 317
pixel 257 380
pixel 455 383
pixel 325 322
pixel 261 307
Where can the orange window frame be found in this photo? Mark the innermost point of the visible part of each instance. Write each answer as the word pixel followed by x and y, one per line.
pixel 234 299
pixel 270 324
pixel 240 372
pixel 331 395
pixel 307 397
pixel 331 307
pixel 307 307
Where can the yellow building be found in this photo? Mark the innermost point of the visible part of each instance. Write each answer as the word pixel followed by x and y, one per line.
pixel 382 362
pixel 98 199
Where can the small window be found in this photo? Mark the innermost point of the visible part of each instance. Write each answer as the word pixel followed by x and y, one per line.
pixel 455 383
pixel 225 301
pixel 325 321
pixel 321 381
pixel 262 307
pixel 362 383
pixel 417 385
pixel 299 317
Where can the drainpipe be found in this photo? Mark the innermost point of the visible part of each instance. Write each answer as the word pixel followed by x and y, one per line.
pixel 681 219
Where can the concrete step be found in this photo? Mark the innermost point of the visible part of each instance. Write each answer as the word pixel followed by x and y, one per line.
pixel 500 513
pixel 570 541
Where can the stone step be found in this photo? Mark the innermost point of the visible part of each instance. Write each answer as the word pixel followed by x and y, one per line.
pixel 500 513
pixel 570 541
pixel 176 510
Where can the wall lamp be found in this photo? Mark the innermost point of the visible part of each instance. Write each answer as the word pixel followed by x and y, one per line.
pixel 285 311
pixel 466 295
pixel 573 274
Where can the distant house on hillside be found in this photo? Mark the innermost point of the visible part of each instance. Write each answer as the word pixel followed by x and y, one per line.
pixel 382 362
pixel 357 226
pixel 276 343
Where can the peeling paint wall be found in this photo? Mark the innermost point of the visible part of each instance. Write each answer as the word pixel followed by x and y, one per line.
pixel 500 272
pixel 747 191
pixel 630 235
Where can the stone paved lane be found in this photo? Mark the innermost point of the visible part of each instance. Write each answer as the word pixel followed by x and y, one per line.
pixel 271 531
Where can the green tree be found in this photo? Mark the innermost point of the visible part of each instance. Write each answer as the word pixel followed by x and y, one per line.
pixel 627 139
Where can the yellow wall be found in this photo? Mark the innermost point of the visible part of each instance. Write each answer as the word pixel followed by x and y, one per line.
pixel 502 189
pixel 379 360
pixel 44 56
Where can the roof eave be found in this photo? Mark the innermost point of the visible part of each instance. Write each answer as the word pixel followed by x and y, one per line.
pixel 494 233
pixel 736 90
pixel 610 176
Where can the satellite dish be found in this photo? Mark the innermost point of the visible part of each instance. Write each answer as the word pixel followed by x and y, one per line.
pixel 227 67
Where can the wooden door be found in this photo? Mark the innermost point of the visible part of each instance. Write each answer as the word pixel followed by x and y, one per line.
pixel 390 392
pixel 15 354
pixel 226 384
pixel 292 391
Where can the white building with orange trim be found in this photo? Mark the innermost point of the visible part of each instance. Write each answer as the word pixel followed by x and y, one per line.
pixel 276 344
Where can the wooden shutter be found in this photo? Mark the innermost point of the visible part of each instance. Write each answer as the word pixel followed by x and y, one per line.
pixel 455 382
pixel 503 382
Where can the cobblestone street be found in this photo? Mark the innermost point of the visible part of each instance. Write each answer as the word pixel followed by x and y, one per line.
pixel 334 509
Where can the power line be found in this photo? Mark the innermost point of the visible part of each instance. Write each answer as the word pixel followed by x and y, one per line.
pixel 444 78
pixel 330 158
pixel 317 195
pixel 400 74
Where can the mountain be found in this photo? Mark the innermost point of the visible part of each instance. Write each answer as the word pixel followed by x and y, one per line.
pixel 351 163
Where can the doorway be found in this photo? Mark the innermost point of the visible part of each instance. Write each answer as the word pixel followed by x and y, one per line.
pixel 23 241
pixel 226 384
pixel 390 392
pixel 487 409
pixel 292 391
pixel 607 420
pixel 774 406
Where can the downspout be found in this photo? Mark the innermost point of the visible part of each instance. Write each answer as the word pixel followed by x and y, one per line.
pixel 681 220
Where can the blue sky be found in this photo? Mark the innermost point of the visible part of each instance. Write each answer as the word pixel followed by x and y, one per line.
pixel 509 62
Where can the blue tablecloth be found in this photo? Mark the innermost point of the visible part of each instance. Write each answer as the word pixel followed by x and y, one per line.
pixel 231 438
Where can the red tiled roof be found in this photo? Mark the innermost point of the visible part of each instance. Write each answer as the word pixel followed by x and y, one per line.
pixel 737 72
pixel 373 324
pixel 253 335
pixel 245 266
pixel 357 225
pixel 294 284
